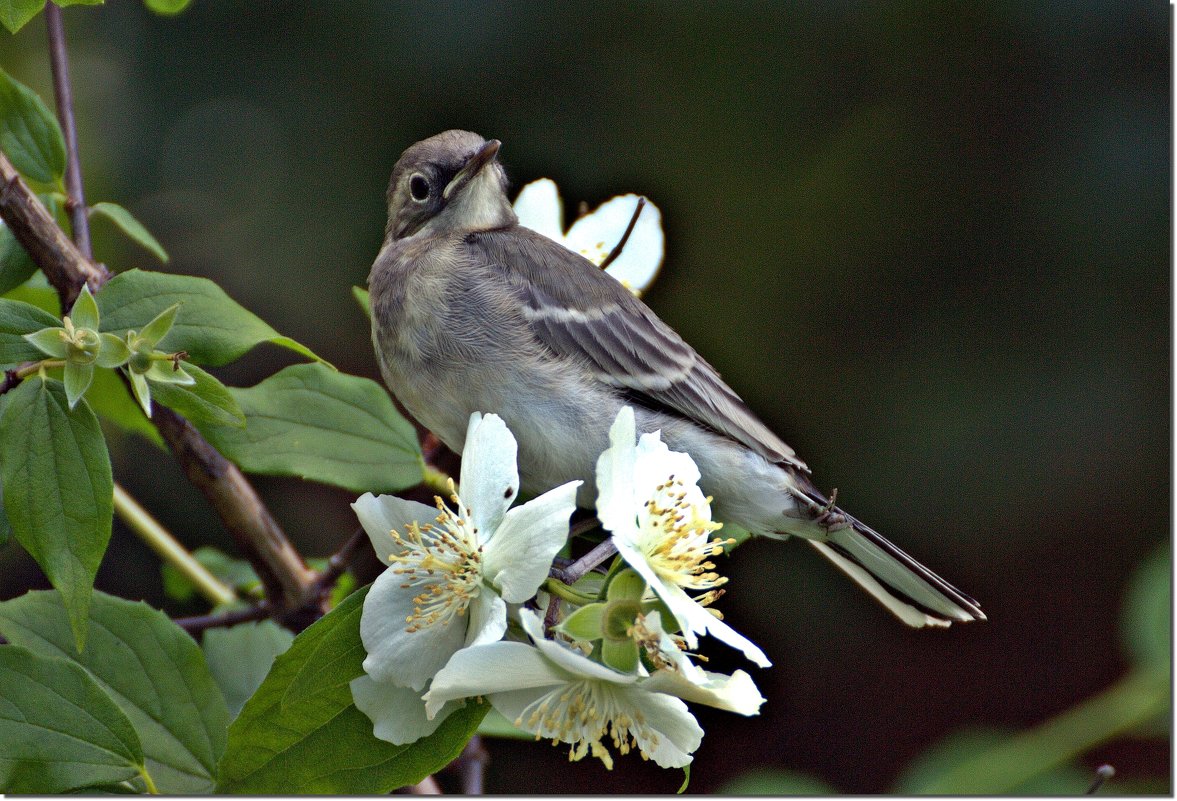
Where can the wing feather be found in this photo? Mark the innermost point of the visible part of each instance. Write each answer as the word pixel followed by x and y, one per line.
pixel 579 312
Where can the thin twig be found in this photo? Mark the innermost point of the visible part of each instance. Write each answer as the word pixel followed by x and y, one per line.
pixel 471 766
pixel 575 571
pixel 427 786
pixel 160 540
pixel 613 254
pixel 75 203
pixel 337 564
pixel 199 623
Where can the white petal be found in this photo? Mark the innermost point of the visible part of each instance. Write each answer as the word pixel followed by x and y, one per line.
pixel 495 667
pixel 678 733
pixel 735 693
pixel 519 555
pixel 488 618
pixel 575 663
pixel 396 656
pixel 381 514
pixel 490 480
pixel 538 207
pixel 397 713
pixel 616 504
pixel 654 463
pixel 693 618
pixel 595 235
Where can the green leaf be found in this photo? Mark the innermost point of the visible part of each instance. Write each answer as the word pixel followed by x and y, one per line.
pixel 207 402
pixel 58 490
pixel 496 725
pixel 167 7
pixel 17 319
pixel 110 399
pixel 14 14
pixel 58 729
pixel 364 298
pixel 776 782
pixel 152 669
pixel 68 3
pixel 37 292
pixel 1148 613
pixel 29 134
pixel 212 327
pixel 929 768
pixel 313 422
pixel 15 263
pixel 241 656
pixel 301 733
pixel 134 229
pixel 237 573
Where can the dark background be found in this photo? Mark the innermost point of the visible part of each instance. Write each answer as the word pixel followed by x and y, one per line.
pixel 927 242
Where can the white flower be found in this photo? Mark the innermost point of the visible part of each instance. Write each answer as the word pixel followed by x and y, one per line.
pixel 450 574
pixel 649 498
pixel 557 693
pixel 595 234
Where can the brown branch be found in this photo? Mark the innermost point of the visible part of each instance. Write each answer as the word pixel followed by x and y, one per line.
pixel 66 267
pixel 337 564
pixel 195 625
pixel 281 569
pixel 471 766
pixel 620 246
pixel 75 203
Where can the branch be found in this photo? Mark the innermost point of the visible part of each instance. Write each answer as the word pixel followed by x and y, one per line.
pixel 199 623
pixel 337 564
pixel 471 766
pixel 75 203
pixel 66 267
pixel 282 571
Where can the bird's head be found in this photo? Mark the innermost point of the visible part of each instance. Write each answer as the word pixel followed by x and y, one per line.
pixel 448 182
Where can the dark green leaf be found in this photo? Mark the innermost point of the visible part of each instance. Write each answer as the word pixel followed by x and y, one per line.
pixel 167 7
pixel 14 14
pixel 58 490
pixel 37 292
pixel 237 573
pixel 240 657
pixel 1148 617
pixel 68 3
pixel 29 134
pixel 16 320
pixel 58 729
pixel 110 399
pixel 127 223
pixel 207 402
pixel 313 422
pixel 212 327
pixel 300 733
pixel 152 669
pixel 929 768
pixel 776 782
pixel 15 264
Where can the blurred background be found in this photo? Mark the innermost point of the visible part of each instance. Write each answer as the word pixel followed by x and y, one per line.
pixel 927 242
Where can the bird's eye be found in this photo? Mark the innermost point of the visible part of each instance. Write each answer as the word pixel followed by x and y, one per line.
pixel 419 187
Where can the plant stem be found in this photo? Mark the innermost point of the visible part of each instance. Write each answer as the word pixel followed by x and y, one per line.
pixel 197 624
pixel 143 773
pixel 169 548
pixel 563 591
pixel 75 203
pixel 575 571
pixel 436 480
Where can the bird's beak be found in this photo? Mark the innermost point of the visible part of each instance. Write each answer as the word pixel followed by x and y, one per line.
pixel 483 156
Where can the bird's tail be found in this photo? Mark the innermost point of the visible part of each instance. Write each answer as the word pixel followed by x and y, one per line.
pixel 912 592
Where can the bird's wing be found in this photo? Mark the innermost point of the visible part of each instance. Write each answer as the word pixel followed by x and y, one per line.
pixel 579 312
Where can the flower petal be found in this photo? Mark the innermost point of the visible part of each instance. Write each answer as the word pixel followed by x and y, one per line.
pixel 382 514
pixel 77 381
pixel 84 313
pixel 397 713
pixel 596 234
pixel 50 342
pixel 654 462
pixel 519 554
pixel 735 693
pixel 490 479
pixel 538 207
pixel 491 668
pixel 677 733
pixel 488 618
pixel 616 508
pixel 405 658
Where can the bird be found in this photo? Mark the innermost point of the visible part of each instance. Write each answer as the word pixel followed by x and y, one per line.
pixel 472 312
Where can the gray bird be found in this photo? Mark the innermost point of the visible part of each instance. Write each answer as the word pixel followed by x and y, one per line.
pixel 473 312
